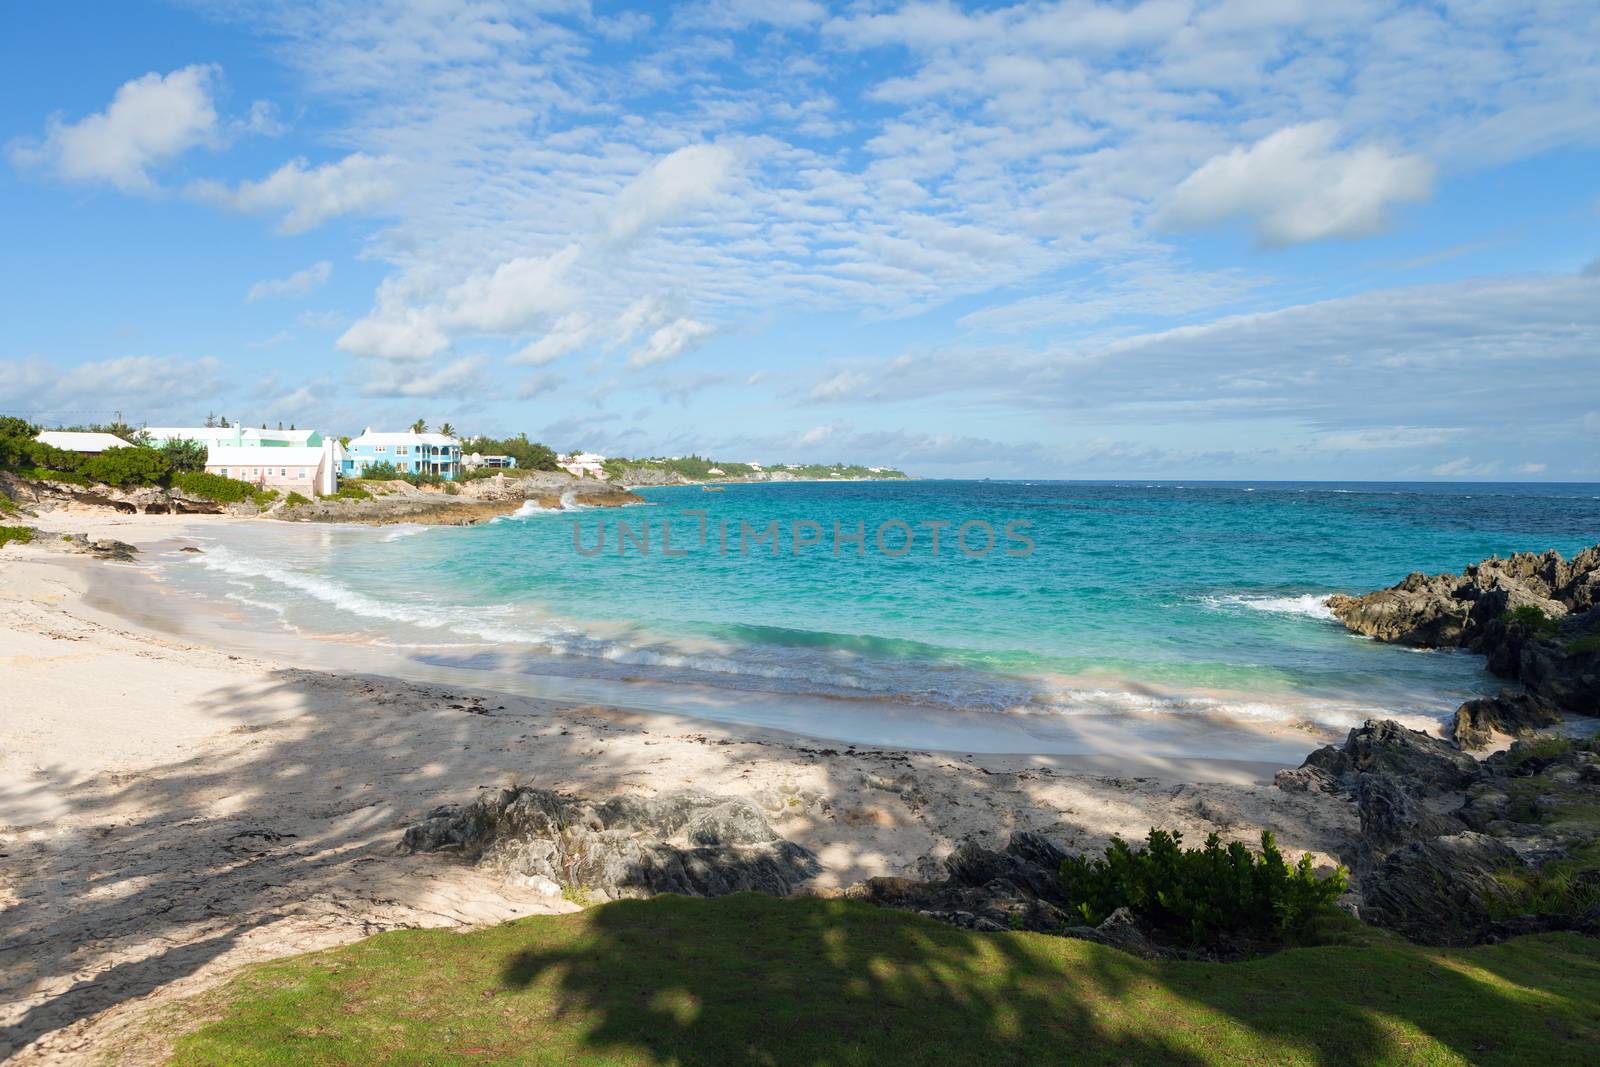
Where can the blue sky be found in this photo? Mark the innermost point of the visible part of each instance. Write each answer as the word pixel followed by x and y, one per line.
pixel 1176 238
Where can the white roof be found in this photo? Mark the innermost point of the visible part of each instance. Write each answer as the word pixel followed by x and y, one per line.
pixel 74 441
pixel 407 438
pixel 585 457
pixel 241 456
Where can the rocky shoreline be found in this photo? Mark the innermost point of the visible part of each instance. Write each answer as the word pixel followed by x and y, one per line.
pixel 384 503
pixel 1535 618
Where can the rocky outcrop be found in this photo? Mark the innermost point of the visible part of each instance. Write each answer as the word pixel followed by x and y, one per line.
pixel 1529 615
pixel 685 842
pixel 1448 844
pixel 464 503
pixel 1512 714
pixel 149 500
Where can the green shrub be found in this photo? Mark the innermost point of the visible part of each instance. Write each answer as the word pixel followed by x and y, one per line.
pixel 183 454
pixel 1531 618
pixel 380 472
pixel 1202 895
pixel 1584 645
pixel 1540 751
pixel 294 500
pixel 452 489
pixel 213 487
pixel 126 467
pixel 7 505
pixel 262 497
pixel 20 534
pixel 352 492
pixel 39 474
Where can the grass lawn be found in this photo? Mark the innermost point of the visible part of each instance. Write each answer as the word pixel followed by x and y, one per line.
pixel 748 979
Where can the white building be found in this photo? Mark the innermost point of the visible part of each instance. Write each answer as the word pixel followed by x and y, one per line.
pixel 89 444
pixel 494 463
pixel 583 464
pixel 307 471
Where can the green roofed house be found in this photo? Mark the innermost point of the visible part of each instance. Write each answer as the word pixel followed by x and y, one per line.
pixel 233 437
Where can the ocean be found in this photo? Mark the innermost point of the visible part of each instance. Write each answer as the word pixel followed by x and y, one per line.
pixel 1099 605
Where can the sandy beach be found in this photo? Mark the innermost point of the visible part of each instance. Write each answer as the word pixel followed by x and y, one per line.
pixel 170 811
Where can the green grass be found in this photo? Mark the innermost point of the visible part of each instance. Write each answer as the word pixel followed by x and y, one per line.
pixel 352 492
pixel 7 505
pixel 294 500
pixel 22 535
pixel 1584 645
pixel 748 979
pixel 1532 618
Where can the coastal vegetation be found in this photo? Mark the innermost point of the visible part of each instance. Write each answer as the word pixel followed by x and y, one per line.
pixel 22 535
pixel 294 500
pixel 751 979
pixel 530 455
pixel 1203 895
pixel 178 465
pixel 700 468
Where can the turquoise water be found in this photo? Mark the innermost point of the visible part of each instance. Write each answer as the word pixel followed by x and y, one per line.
pixel 1199 599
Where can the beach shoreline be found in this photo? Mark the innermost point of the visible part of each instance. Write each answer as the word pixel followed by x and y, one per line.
pixel 173 809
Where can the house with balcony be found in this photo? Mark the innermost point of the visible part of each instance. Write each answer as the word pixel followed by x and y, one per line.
pixel 409 452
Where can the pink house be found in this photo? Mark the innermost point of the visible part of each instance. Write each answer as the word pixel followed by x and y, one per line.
pixel 307 471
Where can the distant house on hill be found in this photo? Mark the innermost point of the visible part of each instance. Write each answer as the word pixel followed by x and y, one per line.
pixel 409 452
pixel 88 444
pixel 716 470
pixel 583 464
pixel 498 463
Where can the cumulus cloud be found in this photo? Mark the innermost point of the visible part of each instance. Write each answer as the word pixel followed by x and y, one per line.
pixel 149 121
pixel 1297 186
pixel 307 196
pixel 510 299
pixel 673 185
pixel 670 341
pixel 570 333
pixel 460 376
pixel 299 283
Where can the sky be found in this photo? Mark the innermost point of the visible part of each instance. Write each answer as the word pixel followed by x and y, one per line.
pixel 1230 239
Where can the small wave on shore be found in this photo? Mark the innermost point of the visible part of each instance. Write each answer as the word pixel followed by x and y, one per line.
pixel 1310 605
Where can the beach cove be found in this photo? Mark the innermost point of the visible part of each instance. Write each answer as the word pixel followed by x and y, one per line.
pixel 194 781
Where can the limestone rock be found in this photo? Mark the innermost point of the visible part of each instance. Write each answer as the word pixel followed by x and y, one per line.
pixel 686 842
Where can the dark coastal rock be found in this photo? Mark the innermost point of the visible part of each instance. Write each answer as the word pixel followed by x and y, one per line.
pixel 1514 714
pixel 1524 614
pixel 685 842
pixel 1440 890
pixel 1446 839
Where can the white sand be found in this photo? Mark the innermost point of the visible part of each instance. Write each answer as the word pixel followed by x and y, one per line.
pixel 170 812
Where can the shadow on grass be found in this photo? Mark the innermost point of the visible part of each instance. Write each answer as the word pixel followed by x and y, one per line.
pixel 748 979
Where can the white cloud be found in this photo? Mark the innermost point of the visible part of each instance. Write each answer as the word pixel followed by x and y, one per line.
pixel 452 379
pixel 509 299
pixel 1385 437
pixel 672 340
pixel 1296 186
pixel 571 332
pixel 299 283
pixel 149 121
pixel 841 386
pixel 678 183
pixel 139 385
pixel 305 196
